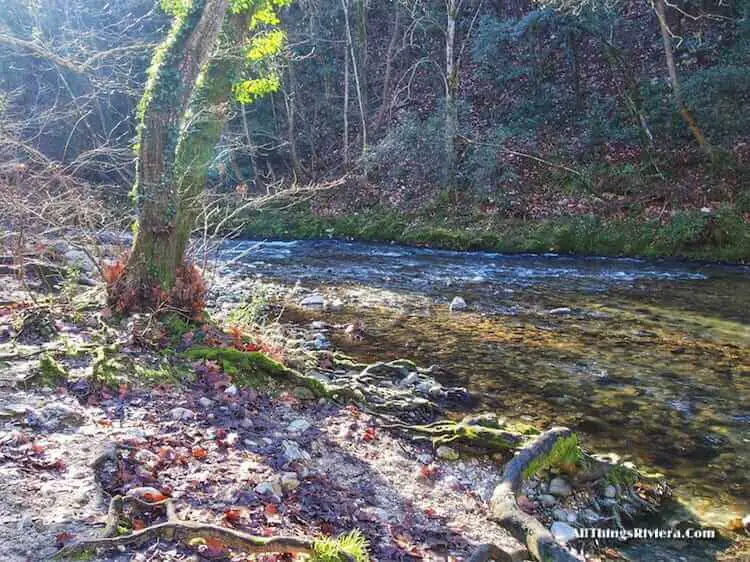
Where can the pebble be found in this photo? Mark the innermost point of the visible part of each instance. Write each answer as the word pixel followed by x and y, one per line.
pixel 547 500
pixel 313 301
pixel 447 453
pixel 181 414
pixel 562 532
pixel 610 491
pixel 560 487
pixel 231 390
pixel 337 305
pixel 205 402
pixel 526 504
pixel 561 310
pixel 289 481
pixel 269 488
pixel 303 393
pixel 457 304
pixel 299 426
pixel 292 452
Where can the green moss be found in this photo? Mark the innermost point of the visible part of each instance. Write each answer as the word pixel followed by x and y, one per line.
pixel 565 454
pixel 51 373
pixel 247 368
pixel 352 545
pixel 621 475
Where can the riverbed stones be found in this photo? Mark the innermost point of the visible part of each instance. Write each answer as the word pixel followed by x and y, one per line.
pixel 559 487
pixel 457 304
pixel 610 491
pixel 447 453
pixel 563 532
pixel 205 402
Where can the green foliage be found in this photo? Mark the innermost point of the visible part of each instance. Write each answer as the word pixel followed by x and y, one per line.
pixel 253 89
pixel 565 454
pixel 353 545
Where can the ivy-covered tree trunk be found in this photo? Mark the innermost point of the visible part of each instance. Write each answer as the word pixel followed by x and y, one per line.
pixel 172 157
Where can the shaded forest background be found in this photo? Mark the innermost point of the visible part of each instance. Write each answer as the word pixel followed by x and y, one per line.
pixel 545 128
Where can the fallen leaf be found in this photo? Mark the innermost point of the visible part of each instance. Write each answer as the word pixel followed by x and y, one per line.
pixel 232 515
pixel 61 539
pixel 199 453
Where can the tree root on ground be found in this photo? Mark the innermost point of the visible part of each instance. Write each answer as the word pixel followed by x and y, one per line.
pixel 175 529
pixel 504 508
pixel 484 432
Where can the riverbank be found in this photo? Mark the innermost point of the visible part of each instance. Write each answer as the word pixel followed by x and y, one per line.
pixel 707 235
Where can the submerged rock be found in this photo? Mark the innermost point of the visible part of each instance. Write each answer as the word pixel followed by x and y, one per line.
pixel 457 304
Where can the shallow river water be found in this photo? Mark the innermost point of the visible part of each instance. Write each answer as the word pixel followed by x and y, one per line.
pixel 649 359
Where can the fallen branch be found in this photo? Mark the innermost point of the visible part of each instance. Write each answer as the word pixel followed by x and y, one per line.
pixel 504 508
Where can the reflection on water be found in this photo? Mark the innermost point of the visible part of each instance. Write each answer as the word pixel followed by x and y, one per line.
pixel 652 359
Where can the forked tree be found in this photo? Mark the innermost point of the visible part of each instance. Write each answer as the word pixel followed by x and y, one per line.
pixel 195 74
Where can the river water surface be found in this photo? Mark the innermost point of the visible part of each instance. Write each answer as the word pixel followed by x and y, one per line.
pixel 649 359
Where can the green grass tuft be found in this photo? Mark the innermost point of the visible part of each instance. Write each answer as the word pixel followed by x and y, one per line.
pixel 565 454
pixel 353 544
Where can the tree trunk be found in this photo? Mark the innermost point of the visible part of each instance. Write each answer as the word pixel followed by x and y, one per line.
pixel 451 87
pixel 289 100
pixel 687 117
pixel 355 71
pixel 346 108
pixel 385 102
pixel 172 158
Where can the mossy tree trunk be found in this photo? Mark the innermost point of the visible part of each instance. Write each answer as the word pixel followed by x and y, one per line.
pixel 173 152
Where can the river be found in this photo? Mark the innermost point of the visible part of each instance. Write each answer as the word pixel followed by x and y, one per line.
pixel 649 359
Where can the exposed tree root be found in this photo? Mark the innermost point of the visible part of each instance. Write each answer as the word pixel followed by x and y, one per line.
pixel 505 510
pixel 175 529
pixel 481 432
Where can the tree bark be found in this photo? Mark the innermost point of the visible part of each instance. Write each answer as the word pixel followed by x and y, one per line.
pixel 385 102
pixel 355 71
pixel 172 158
pixel 451 87
pixel 687 117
